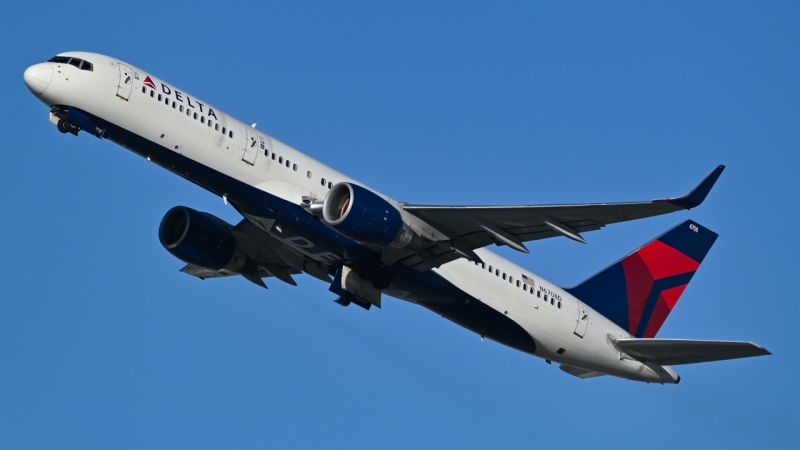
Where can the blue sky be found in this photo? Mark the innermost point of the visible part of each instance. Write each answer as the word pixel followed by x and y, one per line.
pixel 104 344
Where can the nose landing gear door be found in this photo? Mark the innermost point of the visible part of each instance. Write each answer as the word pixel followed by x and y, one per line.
pixel 125 84
pixel 253 145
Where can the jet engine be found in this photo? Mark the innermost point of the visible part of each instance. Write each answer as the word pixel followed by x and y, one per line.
pixel 366 217
pixel 203 240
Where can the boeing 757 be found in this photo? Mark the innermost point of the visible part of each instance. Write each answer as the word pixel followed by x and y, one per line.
pixel 301 216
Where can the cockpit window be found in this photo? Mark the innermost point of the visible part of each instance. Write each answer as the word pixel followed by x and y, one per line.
pixel 77 62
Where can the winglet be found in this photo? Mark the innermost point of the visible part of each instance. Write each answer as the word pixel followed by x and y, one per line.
pixel 699 193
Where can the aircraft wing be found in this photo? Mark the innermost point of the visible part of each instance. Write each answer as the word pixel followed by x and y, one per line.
pixel 274 259
pixel 683 351
pixel 471 227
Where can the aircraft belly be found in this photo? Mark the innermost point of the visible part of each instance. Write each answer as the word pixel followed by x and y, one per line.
pixel 432 291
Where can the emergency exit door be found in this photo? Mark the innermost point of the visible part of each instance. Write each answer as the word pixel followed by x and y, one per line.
pixel 251 147
pixel 125 84
pixel 583 320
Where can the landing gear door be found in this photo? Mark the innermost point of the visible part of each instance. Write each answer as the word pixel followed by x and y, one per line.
pixel 252 146
pixel 583 320
pixel 125 84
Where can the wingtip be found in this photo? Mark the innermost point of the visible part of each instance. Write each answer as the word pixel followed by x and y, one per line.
pixel 764 352
pixel 697 195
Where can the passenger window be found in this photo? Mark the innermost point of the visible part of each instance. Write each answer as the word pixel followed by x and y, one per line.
pixel 152 93
pixel 497 272
pixel 490 268
pixel 195 116
pixel 323 181
pixel 223 130
pixel 159 97
pixel 202 119
pixel 545 298
pixel 273 156
pixel 559 305
pixel 174 105
pixel 517 283
pixel 287 163
pixel 87 66
pixel 294 167
pixel 538 293
pixel 511 280
pixel 504 275
pixel 483 265
pixel 188 112
pixel 308 174
pixel 166 101
pixel 552 301
pixel 216 126
pixel 180 108
pixel 230 134
pixel 330 185
pixel 524 287
pixel 144 90
pixel 280 159
pixel 75 62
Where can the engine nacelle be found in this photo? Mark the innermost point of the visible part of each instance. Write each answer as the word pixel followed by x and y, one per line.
pixel 364 216
pixel 201 239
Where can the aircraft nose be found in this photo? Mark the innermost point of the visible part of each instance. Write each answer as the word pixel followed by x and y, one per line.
pixel 37 77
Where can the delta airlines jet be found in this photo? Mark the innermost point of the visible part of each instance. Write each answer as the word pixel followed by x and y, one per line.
pixel 301 216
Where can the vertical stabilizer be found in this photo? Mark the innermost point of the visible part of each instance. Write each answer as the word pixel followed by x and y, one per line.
pixel 639 291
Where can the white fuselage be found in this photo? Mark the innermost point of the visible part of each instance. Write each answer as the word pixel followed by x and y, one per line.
pixel 563 329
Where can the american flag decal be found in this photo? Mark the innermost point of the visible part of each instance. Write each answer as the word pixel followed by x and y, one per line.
pixel 528 281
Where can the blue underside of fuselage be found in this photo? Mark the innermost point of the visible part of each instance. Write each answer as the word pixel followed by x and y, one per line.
pixel 427 289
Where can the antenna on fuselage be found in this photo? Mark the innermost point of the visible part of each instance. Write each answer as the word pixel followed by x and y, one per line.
pixel 253 125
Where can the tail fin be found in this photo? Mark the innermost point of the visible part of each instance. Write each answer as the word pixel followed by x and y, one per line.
pixel 639 291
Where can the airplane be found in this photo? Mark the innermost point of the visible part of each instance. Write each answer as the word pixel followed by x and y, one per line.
pixel 301 216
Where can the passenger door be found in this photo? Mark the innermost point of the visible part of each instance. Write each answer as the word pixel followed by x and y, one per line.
pixel 251 146
pixel 583 320
pixel 125 84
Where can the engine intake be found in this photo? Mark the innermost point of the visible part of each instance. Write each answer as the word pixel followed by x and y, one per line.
pixel 201 239
pixel 364 216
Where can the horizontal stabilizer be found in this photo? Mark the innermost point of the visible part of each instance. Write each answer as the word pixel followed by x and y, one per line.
pixel 672 352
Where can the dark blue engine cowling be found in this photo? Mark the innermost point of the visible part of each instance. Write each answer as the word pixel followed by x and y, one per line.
pixel 361 215
pixel 197 238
